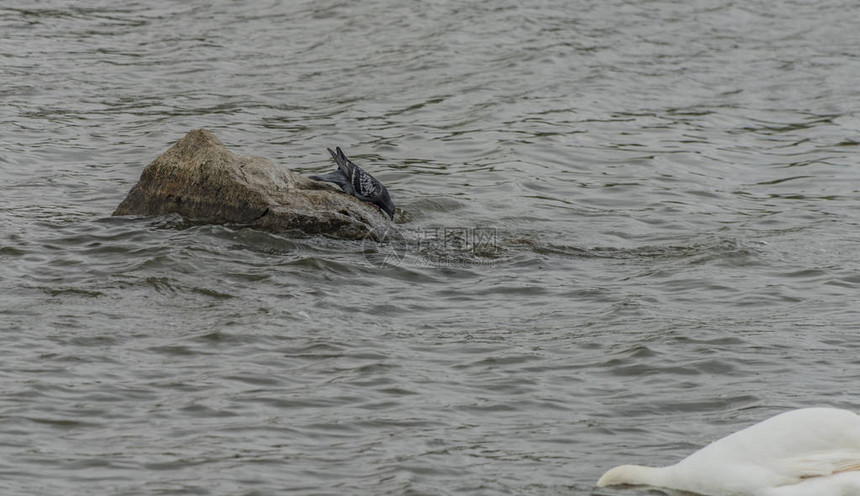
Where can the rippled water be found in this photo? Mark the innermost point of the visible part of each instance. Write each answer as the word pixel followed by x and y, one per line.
pixel 662 204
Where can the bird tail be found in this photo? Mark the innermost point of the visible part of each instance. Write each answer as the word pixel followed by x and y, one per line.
pixel 340 159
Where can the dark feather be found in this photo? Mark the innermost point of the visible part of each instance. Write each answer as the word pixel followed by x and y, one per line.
pixel 353 180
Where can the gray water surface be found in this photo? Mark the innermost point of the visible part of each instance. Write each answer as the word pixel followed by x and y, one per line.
pixel 666 195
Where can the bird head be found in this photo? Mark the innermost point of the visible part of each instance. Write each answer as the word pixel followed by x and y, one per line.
pixel 385 204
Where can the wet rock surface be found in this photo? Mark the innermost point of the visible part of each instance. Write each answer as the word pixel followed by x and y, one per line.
pixel 200 179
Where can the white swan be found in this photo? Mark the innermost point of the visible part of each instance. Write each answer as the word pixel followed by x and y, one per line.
pixel 806 452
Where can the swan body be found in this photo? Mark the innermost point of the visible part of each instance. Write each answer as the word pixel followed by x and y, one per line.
pixel 806 452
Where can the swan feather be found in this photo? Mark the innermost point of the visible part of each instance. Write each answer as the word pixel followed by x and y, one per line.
pixel 810 451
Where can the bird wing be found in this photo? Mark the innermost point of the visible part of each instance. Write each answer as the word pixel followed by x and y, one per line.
pixel 823 463
pixel 365 186
pixel 842 484
pixel 336 177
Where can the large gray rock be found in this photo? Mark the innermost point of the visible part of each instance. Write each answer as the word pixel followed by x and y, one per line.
pixel 201 180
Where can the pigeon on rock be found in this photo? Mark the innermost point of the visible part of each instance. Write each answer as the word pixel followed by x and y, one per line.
pixel 358 183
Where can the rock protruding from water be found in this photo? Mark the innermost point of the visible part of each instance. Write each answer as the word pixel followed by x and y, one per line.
pixel 201 180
